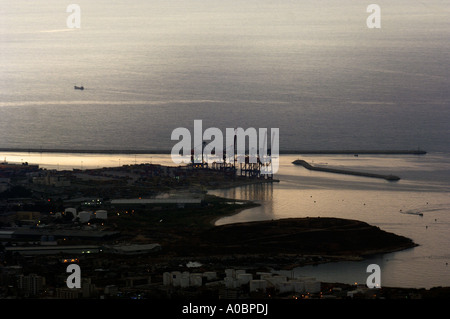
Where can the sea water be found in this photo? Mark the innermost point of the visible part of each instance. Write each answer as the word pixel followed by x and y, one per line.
pixel 313 70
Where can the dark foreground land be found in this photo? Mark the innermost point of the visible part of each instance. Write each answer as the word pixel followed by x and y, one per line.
pixel 323 236
pixel 184 234
pixel 282 243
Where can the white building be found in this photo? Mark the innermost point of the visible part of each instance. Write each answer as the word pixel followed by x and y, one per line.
pixel 176 278
pixel 231 282
pixel 298 286
pixel 101 214
pixel 210 275
pixel 312 286
pixel 258 285
pixel 184 279
pixel 244 279
pixel 84 216
pixel 195 280
pixel 230 273
pixel 136 249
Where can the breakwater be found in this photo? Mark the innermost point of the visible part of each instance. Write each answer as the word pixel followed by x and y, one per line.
pixel 346 172
pixel 356 152
pixel 166 151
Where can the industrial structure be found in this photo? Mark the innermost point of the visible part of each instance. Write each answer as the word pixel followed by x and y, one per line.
pixel 253 165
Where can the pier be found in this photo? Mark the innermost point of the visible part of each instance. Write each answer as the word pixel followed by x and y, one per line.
pixel 391 178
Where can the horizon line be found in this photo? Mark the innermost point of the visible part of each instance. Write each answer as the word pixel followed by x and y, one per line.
pixel 168 151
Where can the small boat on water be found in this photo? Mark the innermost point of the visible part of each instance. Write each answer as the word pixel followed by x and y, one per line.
pixel 78 87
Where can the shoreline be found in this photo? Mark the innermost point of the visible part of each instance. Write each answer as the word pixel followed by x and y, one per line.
pixel 214 220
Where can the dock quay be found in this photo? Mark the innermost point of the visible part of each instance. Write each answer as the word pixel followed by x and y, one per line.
pixel 391 178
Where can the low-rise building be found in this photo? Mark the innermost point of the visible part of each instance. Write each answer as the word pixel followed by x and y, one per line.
pixel 135 249
pixel 31 284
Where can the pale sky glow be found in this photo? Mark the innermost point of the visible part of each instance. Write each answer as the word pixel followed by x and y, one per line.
pixel 61 161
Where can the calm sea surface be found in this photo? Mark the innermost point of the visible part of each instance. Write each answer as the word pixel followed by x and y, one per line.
pixel 312 69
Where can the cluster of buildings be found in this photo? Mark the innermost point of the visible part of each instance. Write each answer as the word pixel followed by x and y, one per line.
pixel 32 218
pixel 8 170
pixel 23 218
pixel 230 284
pixel 85 216
pixel 261 282
pixel 36 286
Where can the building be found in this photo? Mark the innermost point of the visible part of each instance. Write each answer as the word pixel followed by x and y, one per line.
pixel 36 234
pixel 135 249
pixel 88 289
pixel 7 218
pixel 31 284
pixel 101 214
pixel 52 180
pixel 165 203
pixel 53 250
pixel 4 184
pixel 8 170
pixel 84 216
pixel 258 285
pixel 111 290
pixel 72 211
pixel 27 215
pixel 68 293
pixel 187 279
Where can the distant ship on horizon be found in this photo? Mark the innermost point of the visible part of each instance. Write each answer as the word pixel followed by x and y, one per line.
pixel 78 87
